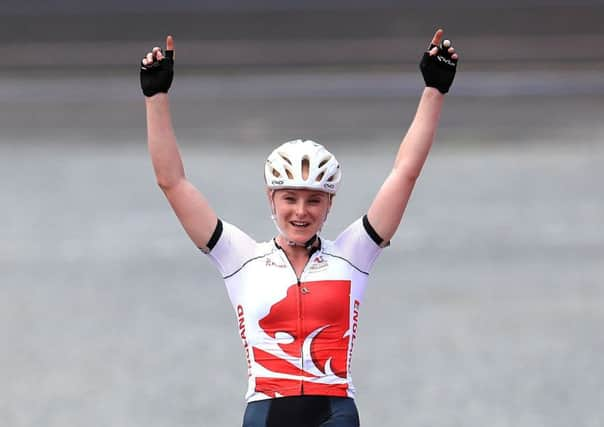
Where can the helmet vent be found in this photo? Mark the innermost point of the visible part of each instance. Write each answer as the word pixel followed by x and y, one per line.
pixel 320 177
pixel 323 162
pixel 276 173
pixel 305 167
pixel 284 157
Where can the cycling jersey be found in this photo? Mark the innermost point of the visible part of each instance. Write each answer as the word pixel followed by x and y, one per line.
pixel 298 333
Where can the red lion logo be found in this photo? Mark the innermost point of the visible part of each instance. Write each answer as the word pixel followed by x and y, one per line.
pixel 316 315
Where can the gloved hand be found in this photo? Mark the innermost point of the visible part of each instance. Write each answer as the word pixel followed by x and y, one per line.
pixel 439 63
pixel 157 69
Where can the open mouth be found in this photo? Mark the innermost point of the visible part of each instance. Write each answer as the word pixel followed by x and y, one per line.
pixel 299 224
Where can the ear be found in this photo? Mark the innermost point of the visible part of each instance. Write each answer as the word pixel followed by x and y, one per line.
pixel 330 202
pixel 271 202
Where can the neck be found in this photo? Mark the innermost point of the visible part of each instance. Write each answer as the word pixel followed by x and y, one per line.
pixel 295 248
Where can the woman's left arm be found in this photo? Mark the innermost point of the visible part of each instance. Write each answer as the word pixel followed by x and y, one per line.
pixel 438 68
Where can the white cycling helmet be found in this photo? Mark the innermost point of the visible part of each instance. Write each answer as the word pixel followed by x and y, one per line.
pixel 302 164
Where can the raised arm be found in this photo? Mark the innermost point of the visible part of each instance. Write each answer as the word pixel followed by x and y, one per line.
pixel 191 208
pixel 438 68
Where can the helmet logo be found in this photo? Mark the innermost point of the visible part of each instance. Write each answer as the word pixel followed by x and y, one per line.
pixel 277 182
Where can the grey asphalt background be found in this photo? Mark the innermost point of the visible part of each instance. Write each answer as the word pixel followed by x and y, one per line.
pixel 486 309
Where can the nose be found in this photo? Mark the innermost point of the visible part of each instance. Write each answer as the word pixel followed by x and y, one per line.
pixel 301 208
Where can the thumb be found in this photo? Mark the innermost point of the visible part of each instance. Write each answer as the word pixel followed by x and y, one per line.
pixel 170 47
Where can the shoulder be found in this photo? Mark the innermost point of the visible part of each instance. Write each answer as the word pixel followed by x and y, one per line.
pixel 360 233
pixel 358 244
pixel 232 248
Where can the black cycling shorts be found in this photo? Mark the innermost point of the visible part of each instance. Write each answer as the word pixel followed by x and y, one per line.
pixel 302 411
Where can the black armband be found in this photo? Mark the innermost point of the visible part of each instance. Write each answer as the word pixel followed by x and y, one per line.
pixel 372 233
pixel 215 235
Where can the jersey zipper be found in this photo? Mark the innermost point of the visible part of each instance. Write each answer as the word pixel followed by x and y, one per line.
pixel 301 326
pixel 300 310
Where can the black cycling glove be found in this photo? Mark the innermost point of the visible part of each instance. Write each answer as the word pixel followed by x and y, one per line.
pixel 158 76
pixel 438 70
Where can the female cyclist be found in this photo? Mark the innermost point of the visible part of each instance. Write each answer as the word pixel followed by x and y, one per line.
pixel 297 296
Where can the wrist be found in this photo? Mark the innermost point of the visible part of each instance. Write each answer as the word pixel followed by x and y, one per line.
pixel 155 98
pixel 432 92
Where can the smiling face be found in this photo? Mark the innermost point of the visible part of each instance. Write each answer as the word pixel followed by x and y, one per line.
pixel 300 214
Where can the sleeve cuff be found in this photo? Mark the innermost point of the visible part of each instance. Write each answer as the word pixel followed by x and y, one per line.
pixel 373 234
pixel 215 235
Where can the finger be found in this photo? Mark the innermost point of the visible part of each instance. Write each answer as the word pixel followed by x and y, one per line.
pixel 149 58
pixel 170 47
pixel 433 51
pixel 145 63
pixel 160 55
pixel 155 50
pixel 451 51
pixel 455 56
pixel 438 35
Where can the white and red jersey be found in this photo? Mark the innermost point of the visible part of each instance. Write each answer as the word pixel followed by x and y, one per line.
pixel 298 333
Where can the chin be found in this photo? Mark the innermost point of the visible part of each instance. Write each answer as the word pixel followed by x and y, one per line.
pixel 301 236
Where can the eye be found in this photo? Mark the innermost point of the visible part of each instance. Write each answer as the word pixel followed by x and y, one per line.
pixel 289 199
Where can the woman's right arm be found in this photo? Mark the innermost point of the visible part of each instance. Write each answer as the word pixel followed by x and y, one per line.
pixel 190 206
